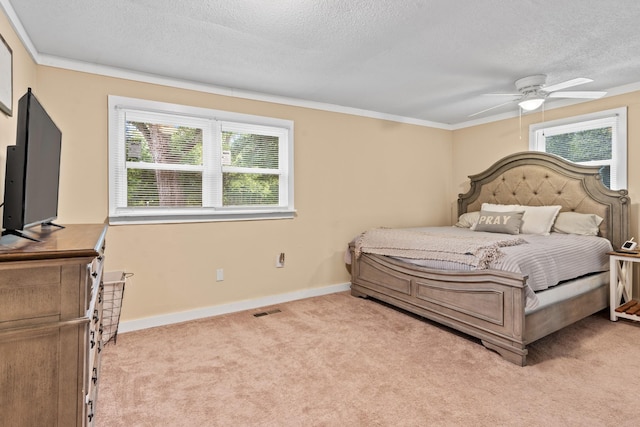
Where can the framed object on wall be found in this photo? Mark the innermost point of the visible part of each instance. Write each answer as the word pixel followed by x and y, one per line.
pixel 6 77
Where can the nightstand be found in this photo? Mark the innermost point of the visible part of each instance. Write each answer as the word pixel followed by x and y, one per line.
pixel 621 286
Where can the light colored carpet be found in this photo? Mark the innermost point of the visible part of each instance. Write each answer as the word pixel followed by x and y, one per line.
pixel 337 360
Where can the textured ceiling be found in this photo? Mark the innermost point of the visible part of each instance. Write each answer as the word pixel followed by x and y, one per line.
pixel 429 60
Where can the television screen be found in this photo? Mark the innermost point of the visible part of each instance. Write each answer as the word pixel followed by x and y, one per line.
pixel 33 169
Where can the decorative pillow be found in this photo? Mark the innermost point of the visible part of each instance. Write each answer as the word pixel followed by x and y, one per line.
pixel 500 222
pixel 577 223
pixel 466 220
pixel 536 219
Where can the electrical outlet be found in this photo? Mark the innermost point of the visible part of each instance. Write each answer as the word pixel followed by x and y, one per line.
pixel 280 260
pixel 219 275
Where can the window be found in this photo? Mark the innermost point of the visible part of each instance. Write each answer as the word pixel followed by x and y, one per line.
pixel 174 163
pixel 598 139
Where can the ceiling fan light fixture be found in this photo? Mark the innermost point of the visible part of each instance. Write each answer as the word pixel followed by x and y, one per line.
pixel 532 92
pixel 531 103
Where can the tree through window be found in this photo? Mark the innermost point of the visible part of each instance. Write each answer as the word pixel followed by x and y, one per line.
pixel 151 150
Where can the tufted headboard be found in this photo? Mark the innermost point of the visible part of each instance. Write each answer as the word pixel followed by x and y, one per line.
pixel 534 178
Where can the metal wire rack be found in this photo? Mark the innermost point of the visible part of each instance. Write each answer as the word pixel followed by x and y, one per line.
pixel 113 293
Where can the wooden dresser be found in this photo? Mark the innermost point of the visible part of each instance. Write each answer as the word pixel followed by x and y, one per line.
pixel 50 326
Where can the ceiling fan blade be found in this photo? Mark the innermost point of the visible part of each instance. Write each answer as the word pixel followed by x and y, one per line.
pixel 491 108
pixel 568 83
pixel 501 94
pixel 589 94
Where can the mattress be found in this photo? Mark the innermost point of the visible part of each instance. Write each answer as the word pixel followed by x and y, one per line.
pixel 566 290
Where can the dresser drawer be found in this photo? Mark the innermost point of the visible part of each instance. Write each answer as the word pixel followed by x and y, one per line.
pixel 40 286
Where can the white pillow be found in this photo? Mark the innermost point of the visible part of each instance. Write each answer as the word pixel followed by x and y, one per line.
pixel 536 219
pixel 468 219
pixel 577 223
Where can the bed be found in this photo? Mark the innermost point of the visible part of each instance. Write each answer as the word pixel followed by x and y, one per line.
pixel 491 304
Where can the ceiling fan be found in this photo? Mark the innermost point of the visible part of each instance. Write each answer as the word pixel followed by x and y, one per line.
pixel 532 92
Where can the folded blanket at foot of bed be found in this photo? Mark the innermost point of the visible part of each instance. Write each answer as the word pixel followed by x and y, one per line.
pixel 476 251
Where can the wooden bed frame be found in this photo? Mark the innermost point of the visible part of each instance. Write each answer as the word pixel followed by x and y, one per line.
pixel 490 304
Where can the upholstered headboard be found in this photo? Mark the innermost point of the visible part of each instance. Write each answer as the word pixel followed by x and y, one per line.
pixel 534 178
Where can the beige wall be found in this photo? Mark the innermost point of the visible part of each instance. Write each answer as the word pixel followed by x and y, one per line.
pixel 351 173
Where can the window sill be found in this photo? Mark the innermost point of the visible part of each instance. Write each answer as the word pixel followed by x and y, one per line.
pixel 142 218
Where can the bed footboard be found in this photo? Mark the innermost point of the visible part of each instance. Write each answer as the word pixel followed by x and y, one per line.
pixel 486 304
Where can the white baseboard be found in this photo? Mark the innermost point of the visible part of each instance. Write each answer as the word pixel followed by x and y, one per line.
pixel 184 316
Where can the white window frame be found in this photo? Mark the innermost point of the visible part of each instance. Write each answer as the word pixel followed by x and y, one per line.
pixel 211 121
pixel 617 118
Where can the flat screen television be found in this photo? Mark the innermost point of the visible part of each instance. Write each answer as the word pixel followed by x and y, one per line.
pixel 33 170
